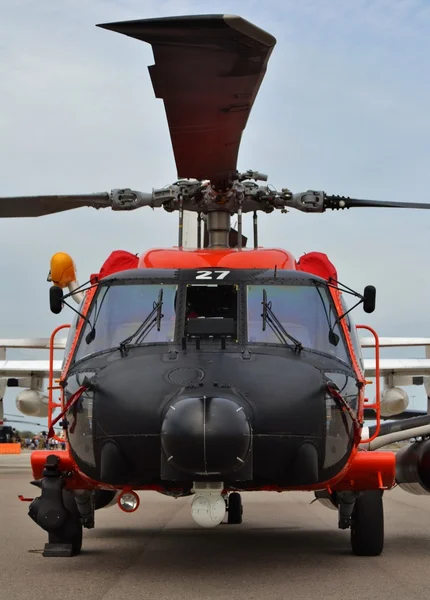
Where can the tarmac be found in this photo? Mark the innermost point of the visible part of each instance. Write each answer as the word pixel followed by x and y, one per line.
pixel 286 548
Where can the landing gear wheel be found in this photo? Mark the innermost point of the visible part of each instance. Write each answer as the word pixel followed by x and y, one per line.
pixel 367 524
pixel 70 534
pixel 235 509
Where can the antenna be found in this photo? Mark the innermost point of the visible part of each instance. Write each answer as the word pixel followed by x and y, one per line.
pixel 199 230
pixel 255 227
pixel 181 223
pixel 239 226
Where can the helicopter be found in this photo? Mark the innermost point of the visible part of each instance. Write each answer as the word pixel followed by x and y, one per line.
pixel 211 371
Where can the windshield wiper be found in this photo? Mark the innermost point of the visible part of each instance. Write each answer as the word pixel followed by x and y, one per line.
pixel 91 335
pixel 333 337
pixel 276 326
pixel 154 318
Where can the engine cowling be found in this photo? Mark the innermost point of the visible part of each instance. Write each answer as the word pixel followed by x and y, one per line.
pixel 413 468
pixel 394 401
pixel 32 403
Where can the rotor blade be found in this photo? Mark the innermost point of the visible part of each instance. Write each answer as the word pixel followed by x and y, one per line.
pixel 339 202
pixel 318 202
pixel 118 199
pixel 208 69
pixel 36 206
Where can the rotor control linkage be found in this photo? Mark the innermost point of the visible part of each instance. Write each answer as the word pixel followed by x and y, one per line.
pixel 127 199
pixel 250 174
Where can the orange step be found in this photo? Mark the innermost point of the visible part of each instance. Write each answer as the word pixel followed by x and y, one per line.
pixel 10 448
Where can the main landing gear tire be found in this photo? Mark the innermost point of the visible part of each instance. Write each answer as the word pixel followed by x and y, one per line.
pixel 71 534
pixel 235 509
pixel 367 524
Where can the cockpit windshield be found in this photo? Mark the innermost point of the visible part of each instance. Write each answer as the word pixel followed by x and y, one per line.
pixel 305 312
pixel 119 310
pixel 299 314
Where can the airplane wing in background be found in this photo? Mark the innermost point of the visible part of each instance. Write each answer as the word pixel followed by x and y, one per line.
pixel 399 368
pixel 28 368
pixel 27 373
pixel 20 369
pixel 34 344
pixel 399 371
pixel 397 342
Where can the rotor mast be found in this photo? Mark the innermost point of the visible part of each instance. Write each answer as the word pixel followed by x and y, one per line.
pixel 218 230
pixel 218 227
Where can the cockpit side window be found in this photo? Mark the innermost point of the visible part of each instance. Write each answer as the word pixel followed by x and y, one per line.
pixel 353 333
pixel 118 311
pixel 306 313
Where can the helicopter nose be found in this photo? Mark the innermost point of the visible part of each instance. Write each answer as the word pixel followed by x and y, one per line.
pixel 206 435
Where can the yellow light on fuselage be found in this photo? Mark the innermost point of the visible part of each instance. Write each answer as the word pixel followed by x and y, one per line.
pixel 63 270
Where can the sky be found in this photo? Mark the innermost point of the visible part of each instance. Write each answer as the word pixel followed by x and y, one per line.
pixel 343 108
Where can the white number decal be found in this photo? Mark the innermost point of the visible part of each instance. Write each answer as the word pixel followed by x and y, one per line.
pixel 211 274
pixel 222 274
pixel 204 275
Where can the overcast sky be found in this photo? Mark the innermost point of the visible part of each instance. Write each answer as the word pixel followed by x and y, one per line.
pixel 343 108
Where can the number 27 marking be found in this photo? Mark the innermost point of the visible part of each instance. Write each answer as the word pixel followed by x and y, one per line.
pixel 211 274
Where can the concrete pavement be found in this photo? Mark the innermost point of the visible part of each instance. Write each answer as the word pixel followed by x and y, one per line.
pixel 285 549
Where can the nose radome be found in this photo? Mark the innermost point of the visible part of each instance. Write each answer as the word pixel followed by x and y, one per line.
pixel 206 435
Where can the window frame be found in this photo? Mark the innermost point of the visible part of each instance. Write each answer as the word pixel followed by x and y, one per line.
pixel 353 333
